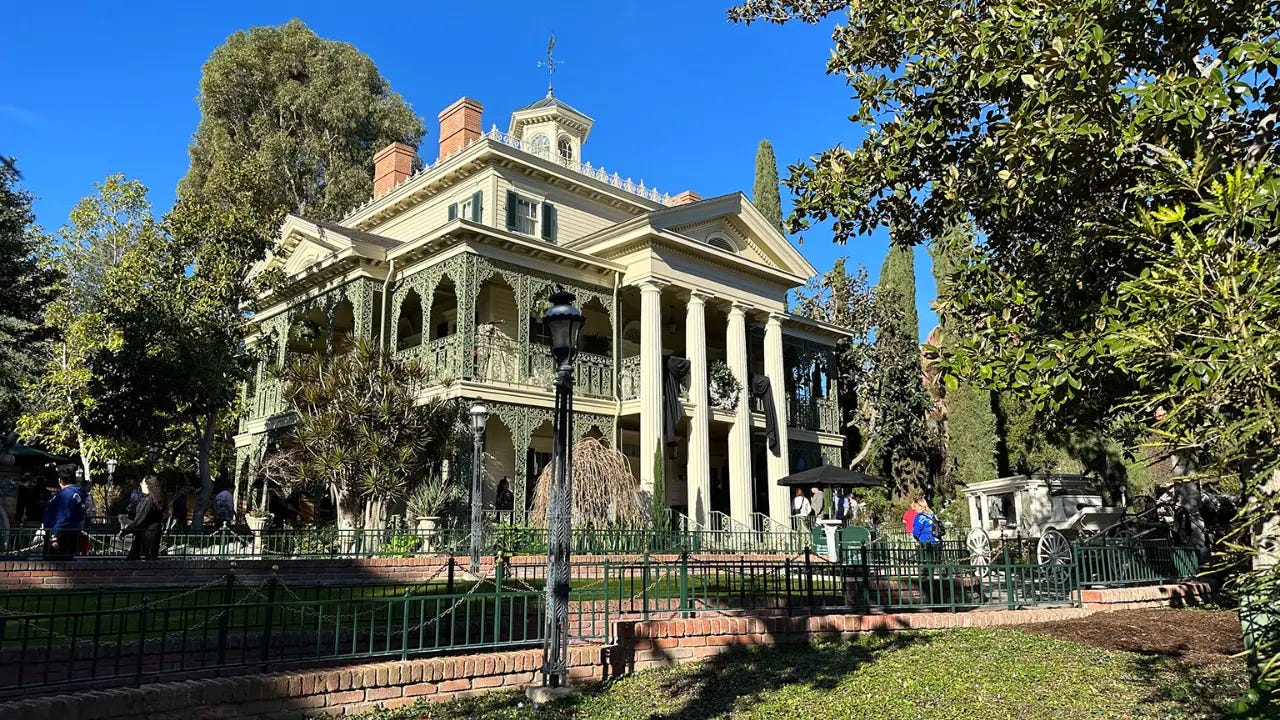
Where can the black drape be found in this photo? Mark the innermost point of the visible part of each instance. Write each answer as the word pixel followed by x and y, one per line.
pixel 763 389
pixel 674 371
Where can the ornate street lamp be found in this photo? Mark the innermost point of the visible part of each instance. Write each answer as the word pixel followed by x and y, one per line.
pixel 563 323
pixel 479 416
pixel 153 452
pixel 111 470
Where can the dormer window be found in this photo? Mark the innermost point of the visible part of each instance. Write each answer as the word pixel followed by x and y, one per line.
pixel 565 146
pixel 540 146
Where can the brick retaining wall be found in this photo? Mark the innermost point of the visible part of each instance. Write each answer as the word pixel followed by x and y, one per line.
pixel 1185 594
pixel 640 645
pixel 90 573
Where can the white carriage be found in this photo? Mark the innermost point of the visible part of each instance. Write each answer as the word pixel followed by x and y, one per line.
pixel 1051 510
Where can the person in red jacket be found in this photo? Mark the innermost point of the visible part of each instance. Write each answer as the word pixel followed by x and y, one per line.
pixel 909 517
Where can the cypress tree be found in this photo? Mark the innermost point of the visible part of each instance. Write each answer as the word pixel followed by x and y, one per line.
pixel 971 419
pixel 765 193
pixel 901 401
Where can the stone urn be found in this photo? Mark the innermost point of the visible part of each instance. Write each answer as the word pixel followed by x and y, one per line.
pixel 428 527
pixel 258 526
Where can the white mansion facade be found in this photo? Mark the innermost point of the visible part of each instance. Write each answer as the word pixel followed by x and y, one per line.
pixel 454 264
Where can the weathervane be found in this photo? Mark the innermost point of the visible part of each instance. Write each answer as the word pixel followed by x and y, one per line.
pixel 550 64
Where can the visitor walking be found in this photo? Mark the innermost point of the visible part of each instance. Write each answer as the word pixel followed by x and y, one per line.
pixel 224 509
pixel 64 517
pixel 178 511
pixel 801 507
pixel 146 522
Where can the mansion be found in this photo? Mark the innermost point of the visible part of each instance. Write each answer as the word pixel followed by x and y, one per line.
pixel 454 263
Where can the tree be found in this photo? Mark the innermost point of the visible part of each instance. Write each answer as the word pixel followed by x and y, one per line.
pixel 1117 161
pixel 289 122
pixel 360 433
pixel 843 299
pixel 27 283
pixel 903 443
pixel 765 193
pixel 62 408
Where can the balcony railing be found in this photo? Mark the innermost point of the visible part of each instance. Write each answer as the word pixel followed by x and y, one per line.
pixel 819 414
pixel 629 378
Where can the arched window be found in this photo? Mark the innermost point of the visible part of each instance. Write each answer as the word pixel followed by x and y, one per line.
pixel 540 146
pixel 565 146
pixel 722 242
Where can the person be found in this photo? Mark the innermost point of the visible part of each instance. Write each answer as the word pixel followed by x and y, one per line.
pixel 134 497
pixel 801 507
pixel 178 514
pixel 146 522
pixel 224 508
pixel 504 499
pixel 64 517
pixel 819 503
pixel 925 527
pixel 909 517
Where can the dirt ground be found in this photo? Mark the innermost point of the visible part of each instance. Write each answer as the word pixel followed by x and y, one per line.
pixel 1189 637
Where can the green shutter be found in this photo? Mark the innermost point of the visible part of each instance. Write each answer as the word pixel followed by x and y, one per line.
pixel 453 211
pixel 511 209
pixel 548 222
pixel 476 198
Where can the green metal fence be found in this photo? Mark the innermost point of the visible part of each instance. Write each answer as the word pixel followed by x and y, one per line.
pixel 234 628
pixel 1134 563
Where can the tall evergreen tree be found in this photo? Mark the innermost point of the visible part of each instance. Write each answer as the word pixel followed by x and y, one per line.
pixel 971 440
pixel 289 124
pixel 903 446
pixel 26 284
pixel 765 193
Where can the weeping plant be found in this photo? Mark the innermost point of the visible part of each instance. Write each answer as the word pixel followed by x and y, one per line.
pixel 604 490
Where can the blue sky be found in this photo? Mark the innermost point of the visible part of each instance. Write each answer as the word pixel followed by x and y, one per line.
pixel 680 96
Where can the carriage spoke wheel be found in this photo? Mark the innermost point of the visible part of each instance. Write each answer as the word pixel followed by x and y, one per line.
pixel 1053 548
pixel 978 544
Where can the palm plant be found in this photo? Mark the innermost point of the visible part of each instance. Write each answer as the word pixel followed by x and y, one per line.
pixel 360 433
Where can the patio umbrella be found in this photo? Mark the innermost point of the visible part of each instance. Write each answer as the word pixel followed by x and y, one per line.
pixel 830 476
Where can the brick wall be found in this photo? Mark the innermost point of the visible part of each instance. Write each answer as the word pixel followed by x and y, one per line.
pixel 640 645
pixel 1185 594
pixel 91 573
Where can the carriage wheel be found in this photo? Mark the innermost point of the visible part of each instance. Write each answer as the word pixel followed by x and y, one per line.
pixel 981 566
pixel 978 544
pixel 1053 548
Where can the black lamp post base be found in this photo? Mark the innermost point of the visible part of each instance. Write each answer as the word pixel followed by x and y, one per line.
pixel 541 695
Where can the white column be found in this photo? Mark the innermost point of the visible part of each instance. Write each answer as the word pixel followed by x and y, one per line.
pixel 650 379
pixel 698 473
pixel 740 490
pixel 779 465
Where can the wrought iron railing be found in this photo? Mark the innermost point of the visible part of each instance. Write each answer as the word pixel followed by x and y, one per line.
pixel 813 414
pixel 629 378
pixel 1134 563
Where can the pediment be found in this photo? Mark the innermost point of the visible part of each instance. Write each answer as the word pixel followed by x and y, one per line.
pixel 731 223
pixel 304 244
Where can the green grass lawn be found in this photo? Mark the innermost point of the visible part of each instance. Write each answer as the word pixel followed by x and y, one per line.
pixel 966 674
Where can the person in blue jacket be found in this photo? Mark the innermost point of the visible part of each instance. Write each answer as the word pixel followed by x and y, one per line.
pixel 64 516
pixel 926 528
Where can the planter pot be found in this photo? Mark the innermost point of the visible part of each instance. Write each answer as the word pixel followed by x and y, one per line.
pixel 258 523
pixel 428 523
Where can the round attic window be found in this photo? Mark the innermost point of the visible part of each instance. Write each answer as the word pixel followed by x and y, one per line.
pixel 540 145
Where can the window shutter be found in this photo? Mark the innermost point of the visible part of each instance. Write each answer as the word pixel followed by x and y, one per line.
pixel 511 209
pixel 476 198
pixel 453 211
pixel 548 222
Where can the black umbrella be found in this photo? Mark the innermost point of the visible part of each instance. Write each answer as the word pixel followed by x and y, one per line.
pixel 830 476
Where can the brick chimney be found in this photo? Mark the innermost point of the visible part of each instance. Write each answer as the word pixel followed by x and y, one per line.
pixel 391 166
pixel 459 125
pixel 684 198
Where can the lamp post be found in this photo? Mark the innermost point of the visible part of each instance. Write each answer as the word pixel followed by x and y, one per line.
pixel 563 323
pixel 153 452
pixel 111 470
pixel 479 416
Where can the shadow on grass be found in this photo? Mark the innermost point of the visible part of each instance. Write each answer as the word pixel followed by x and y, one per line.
pixel 1200 691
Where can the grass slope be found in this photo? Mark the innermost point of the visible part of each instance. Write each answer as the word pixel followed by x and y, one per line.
pixel 966 674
